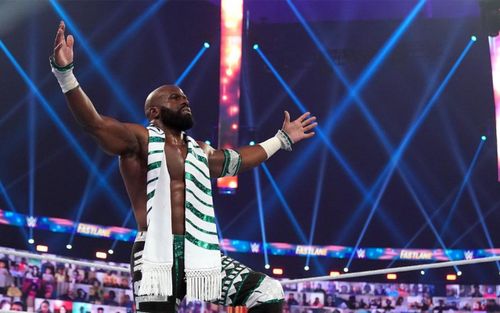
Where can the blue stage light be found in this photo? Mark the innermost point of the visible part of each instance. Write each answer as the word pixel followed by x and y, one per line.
pixel 252 143
pixel 483 138
pixel 465 182
pixel 206 45
pixel 11 206
pixel 208 142
pixel 473 38
pixel 260 206
pixel 191 65
pixel 255 46
pixel 286 207
pixel 317 202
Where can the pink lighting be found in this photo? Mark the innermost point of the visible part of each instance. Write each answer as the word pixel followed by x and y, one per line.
pixel 495 71
pixel 227 183
pixel 229 91
pixel 233 110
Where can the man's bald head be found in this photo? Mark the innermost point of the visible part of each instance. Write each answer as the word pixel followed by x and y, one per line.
pixel 159 97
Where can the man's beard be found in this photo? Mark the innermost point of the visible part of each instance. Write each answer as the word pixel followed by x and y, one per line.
pixel 176 120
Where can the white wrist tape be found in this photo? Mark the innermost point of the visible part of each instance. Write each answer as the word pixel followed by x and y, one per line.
pixel 271 146
pixel 279 141
pixel 66 79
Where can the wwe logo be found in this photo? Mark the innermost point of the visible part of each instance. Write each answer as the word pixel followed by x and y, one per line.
pixel 255 247
pixel 31 221
pixel 469 255
pixel 361 253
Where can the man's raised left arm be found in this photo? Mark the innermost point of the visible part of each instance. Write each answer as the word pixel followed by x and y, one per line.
pixel 230 162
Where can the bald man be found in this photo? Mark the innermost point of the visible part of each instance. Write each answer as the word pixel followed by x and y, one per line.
pixel 190 241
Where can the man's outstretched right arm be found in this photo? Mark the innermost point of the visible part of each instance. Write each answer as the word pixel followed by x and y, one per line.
pixel 113 136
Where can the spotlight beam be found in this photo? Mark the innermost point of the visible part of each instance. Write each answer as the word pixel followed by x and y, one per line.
pixel 262 220
pixel 391 166
pixel 126 34
pixel 83 201
pixel 191 65
pixel 284 204
pixel 124 224
pixel 317 201
pixel 246 88
pixel 11 205
pixel 464 183
pixel 31 133
pixel 31 158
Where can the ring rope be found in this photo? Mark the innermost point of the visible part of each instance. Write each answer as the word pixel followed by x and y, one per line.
pixel 394 270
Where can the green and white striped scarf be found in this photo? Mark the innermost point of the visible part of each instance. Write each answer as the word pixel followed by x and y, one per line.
pixel 202 253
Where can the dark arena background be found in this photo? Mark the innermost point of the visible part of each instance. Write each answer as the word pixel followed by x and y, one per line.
pixel 402 170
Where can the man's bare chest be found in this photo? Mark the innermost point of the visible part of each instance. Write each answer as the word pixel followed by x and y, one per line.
pixel 175 157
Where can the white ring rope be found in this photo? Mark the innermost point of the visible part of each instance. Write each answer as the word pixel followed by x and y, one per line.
pixel 394 270
pixel 63 260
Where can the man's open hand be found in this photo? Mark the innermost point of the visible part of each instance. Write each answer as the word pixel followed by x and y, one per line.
pixel 63 47
pixel 298 129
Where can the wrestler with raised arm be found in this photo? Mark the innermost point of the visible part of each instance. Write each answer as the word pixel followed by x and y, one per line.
pixel 167 177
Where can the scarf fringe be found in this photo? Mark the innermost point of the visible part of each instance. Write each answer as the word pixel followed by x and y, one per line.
pixel 156 279
pixel 204 285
